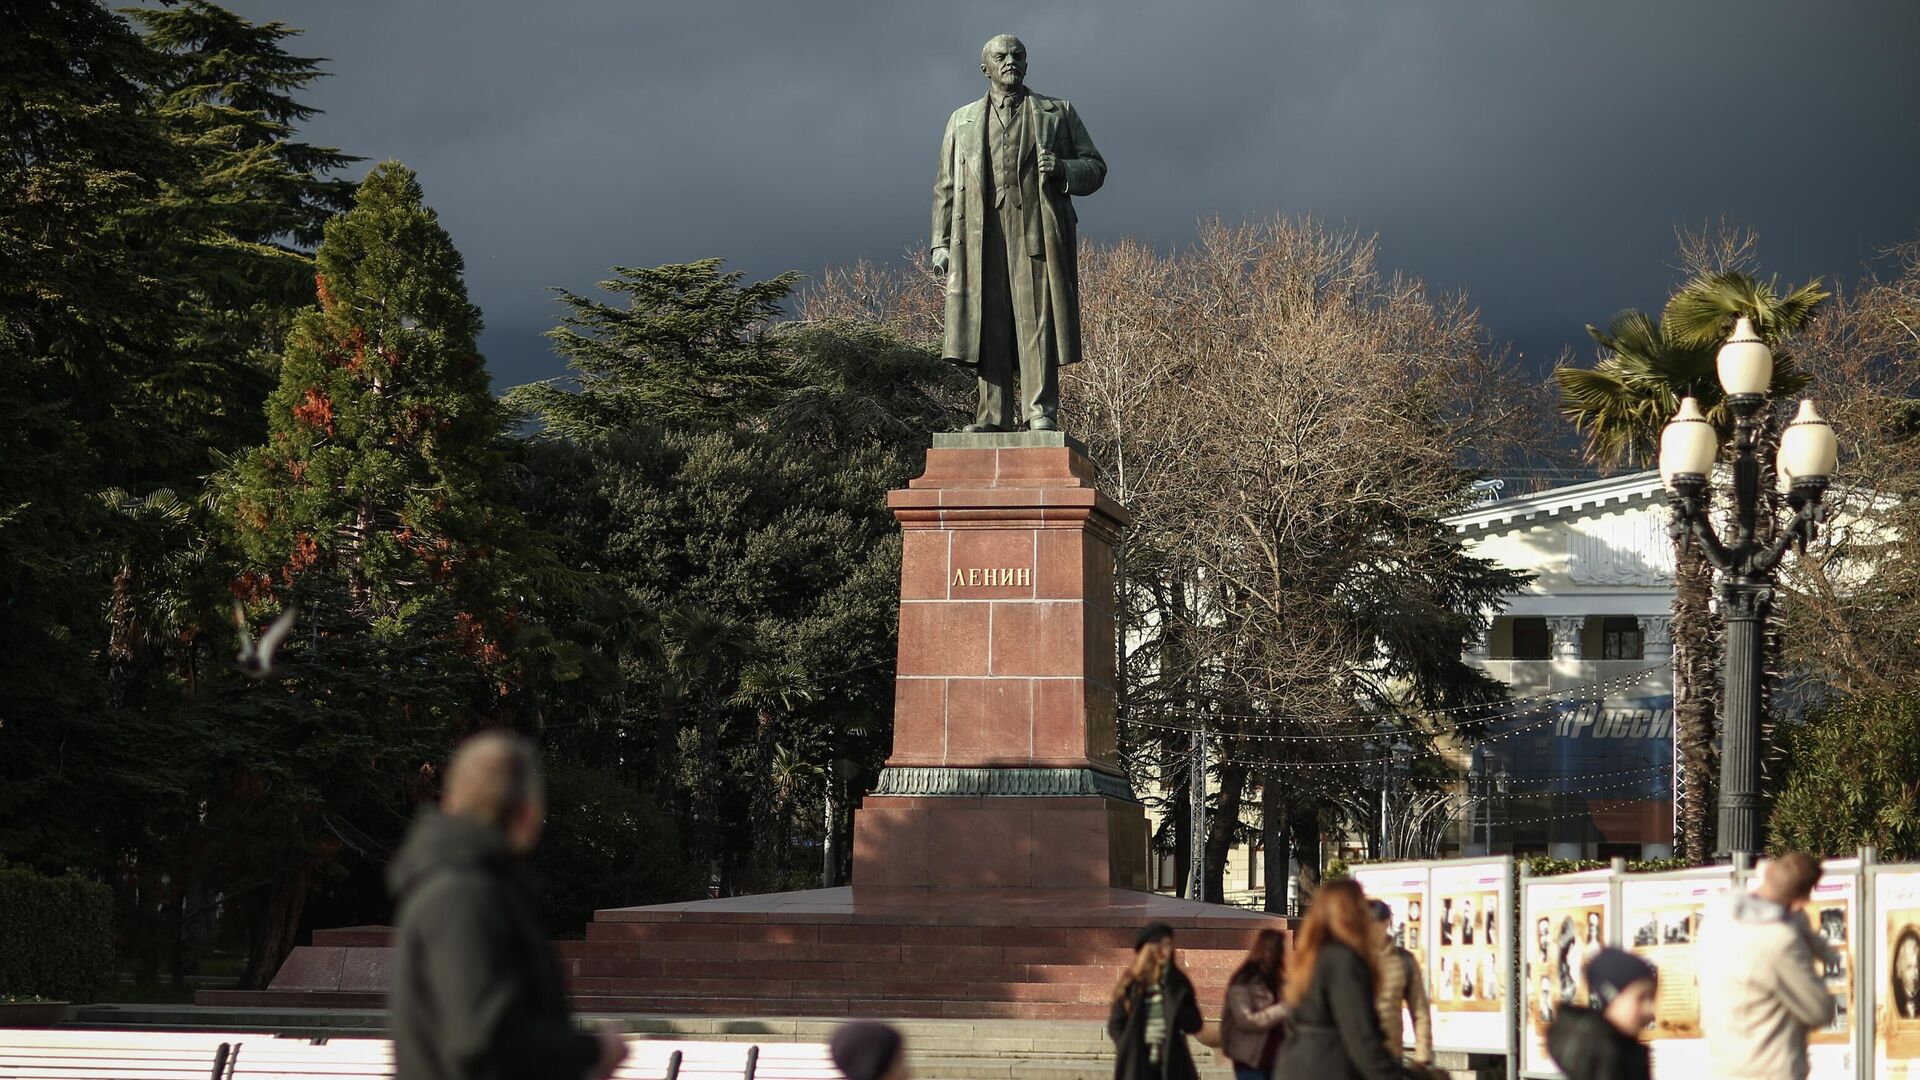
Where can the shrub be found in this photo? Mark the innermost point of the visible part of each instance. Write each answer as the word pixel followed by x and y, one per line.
pixel 605 846
pixel 56 936
pixel 1852 780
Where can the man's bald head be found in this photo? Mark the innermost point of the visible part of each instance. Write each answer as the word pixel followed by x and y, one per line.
pixel 1003 59
pixel 494 779
pixel 1790 878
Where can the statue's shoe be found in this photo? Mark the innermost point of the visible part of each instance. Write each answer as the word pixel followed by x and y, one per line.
pixel 1042 423
pixel 979 429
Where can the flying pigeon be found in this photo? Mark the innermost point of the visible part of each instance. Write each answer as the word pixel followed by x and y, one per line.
pixel 256 660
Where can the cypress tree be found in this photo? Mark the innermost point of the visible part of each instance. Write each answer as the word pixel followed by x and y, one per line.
pixel 383 455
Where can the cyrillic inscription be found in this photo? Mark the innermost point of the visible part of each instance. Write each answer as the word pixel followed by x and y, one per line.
pixel 992 577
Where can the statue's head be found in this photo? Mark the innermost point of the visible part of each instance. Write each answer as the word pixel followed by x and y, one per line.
pixel 1004 61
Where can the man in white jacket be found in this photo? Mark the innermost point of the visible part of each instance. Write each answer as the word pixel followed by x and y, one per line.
pixel 1760 992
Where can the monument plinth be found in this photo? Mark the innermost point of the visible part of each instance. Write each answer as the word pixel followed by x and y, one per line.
pixel 1004 770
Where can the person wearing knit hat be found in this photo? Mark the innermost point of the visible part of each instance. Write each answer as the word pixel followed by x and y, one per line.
pixel 1153 1011
pixel 868 1051
pixel 1601 1040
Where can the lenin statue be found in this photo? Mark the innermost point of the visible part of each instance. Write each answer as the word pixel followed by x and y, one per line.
pixel 1003 234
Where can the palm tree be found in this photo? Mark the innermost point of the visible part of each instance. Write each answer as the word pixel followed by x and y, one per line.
pixel 1621 404
pixel 771 690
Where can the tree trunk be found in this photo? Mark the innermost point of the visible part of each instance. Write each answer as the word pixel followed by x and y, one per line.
pixel 279 925
pixel 765 826
pixel 1180 813
pixel 1694 695
pixel 1226 819
pixel 1274 846
pixel 829 858
pixel 666 744
pixel 1303 826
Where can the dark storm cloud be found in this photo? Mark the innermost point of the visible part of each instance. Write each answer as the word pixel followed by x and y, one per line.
pixel 1537 155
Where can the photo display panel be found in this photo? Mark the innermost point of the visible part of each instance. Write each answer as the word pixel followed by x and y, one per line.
pixel 1563 922
pixel 1469 967
pixel 1835 915
pixel 1896 978
pixel 1660 921
pixel 1403 888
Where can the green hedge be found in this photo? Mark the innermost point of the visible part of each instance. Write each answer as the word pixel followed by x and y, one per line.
pixel 56 936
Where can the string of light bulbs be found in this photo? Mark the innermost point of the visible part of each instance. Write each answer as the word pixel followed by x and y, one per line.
pixel 1583 692
pixel 1547 715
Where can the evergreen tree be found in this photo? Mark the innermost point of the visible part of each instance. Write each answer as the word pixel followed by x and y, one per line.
pixel 741 520
pixel 237 227
pixel 691 346
pixel 79 153
pixel 374 508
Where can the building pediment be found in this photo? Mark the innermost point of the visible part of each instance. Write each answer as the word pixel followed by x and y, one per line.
pixel 1605 534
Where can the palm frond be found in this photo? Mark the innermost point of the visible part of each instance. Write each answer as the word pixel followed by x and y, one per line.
pixel 1620 418
pixel 1702 311
pixel 1798 306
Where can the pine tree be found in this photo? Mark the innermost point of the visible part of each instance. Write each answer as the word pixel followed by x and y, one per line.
pixel 373 508
pixel 237 226
pixel 79 153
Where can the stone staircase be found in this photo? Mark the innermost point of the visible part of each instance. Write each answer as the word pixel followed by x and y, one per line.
pixel 1035 954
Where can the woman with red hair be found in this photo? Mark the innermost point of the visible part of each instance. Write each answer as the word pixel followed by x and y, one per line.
pixel 1335 1028
pixel 1252 1022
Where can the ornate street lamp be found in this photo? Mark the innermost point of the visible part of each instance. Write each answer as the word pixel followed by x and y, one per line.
pixel 1806 457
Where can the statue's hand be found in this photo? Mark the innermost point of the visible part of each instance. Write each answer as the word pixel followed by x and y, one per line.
pixel 1049 166
pixel 941 262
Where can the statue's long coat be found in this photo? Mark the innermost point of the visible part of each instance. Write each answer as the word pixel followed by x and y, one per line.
pixel 960 216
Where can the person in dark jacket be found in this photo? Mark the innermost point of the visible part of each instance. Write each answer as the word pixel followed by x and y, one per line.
pixel 1153 1012
pixel 1334 1030
pixel 1601 1041
pixel 476 989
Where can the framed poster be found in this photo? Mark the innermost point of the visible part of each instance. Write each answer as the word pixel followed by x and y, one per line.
pixel 1564 921
pixel 1660 920
pixel 1403 888
pixel 1469 971
pixel 1896 968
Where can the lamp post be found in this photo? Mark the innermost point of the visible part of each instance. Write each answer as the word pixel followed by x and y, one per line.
pixel 1748 562
pixel 1396 759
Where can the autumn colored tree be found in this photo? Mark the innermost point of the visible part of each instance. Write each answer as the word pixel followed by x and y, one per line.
pixel 375 508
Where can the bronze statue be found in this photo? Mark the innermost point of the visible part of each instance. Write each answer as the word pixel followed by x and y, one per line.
pixel 1003 233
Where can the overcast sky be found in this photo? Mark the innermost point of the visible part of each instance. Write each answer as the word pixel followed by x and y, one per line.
pixel 1537 154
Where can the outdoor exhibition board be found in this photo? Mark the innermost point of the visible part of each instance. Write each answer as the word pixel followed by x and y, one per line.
pixel 1497 983
pixel 1895 972
pixel 1834 915
pixel 1566 920
pixel 1456 917
pixel 1660 918
pixel 1470 973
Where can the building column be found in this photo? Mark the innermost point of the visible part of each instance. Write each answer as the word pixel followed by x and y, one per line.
pixel 1568 632
pixel 1656 637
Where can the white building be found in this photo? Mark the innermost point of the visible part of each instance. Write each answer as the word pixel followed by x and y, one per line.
pixel 1580 766
pixel 1589 773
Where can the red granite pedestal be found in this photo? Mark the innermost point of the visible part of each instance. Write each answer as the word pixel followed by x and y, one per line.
pixel 999 866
